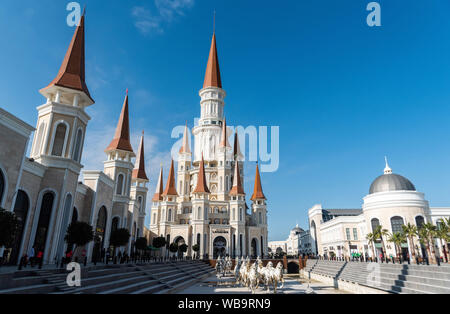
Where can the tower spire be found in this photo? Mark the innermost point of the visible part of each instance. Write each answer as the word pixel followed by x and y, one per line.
pixel 258 191
pixel 237 147
pixel 72 71
pixel 202 187
pixel 121 140
pixel 237 182
pixel 212 76
pixel 224 140
pixel 387 169
pixel 185 147
pixel 139 167
pixel 170 187
pixel 159 187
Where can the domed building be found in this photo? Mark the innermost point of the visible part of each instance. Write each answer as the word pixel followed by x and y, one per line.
pixel 393 201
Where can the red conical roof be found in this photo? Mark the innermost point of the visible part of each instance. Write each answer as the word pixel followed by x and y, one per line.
pixel 72 71
pixel 201 187
pixel 171 190
pixel 237 182
pixel 258 191
pixel 139 167
pixel 121 139
pixel 212 76
pixel 224 137
pixel 185 147
pixel 159 188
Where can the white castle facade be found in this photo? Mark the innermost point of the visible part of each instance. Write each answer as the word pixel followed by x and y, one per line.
pixel 207 206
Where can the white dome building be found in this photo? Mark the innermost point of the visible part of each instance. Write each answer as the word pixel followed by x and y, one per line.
pixel 392 201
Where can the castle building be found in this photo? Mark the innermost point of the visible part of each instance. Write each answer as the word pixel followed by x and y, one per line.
pixel 206 205
pixel 297 244
pixel 392 202
pixel 44 189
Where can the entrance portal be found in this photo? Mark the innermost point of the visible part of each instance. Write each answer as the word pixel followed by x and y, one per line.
pixel 220 245
pixel 254 252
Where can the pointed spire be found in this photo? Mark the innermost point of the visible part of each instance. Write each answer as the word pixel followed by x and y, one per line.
pixel 224 140
pixel 121 140
pixel 258 191
pixel 237 182
pixel 212 76
pixel 387 169
pixel 170 187
pixel 201 187
pixel 159 187
pixel 237 147
pixel 139 167
pixel 72 71
pixel 185 147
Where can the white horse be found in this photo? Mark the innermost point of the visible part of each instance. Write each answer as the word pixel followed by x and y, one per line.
pixel 220 267
pixel 253 278
pixel 277 277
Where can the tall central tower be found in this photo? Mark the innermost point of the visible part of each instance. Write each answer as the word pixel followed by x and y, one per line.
pixel 207 133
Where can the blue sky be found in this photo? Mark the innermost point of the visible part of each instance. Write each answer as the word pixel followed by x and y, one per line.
pixel 344 94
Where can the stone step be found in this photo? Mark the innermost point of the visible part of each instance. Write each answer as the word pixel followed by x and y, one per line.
pixel 133 287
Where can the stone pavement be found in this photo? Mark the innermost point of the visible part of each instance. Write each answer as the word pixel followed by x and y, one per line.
pixel 293 285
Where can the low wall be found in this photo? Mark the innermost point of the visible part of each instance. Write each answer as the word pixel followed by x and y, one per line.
pixel 342 284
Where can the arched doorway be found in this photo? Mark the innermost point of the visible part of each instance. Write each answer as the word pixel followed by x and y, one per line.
pixel 396 225
pixel 219 247
pixel 2 186
pixel 99 237
pixel 293 268
pixel 254 249
pixel 262 248
pixel 21 211
pixel 43 225
pixel 180 241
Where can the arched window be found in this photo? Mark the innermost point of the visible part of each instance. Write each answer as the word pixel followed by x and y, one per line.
pixel 77 149
pixel 44 221
pixel 74 215
pixel 199 213
pixel 234 213
pixel 40 134
pixel 59 140
pixel 21 211
pixel 2 186
pixel 205 216
pixel 241 214
pixel 154 219
pixel 115 224
pixel 140 203
pixel 198 239
pixel 260 218
pixel 217 221
pixel 375 222
pixel 216 210
pixel 420 221
pixel 119 187
pixel 396 224
pixel 170 215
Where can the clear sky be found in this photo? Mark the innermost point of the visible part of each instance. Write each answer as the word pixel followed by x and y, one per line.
pixel 343 94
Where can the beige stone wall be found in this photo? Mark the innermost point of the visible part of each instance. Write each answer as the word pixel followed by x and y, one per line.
pixel 12 151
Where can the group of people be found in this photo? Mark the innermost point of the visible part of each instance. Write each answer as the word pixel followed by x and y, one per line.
pixel 33 258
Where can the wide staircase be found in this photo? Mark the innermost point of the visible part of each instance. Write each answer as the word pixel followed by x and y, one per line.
pixel 392 278
pixel 153 278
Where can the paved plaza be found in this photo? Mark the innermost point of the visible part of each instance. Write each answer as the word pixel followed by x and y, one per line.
pixel 293 285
